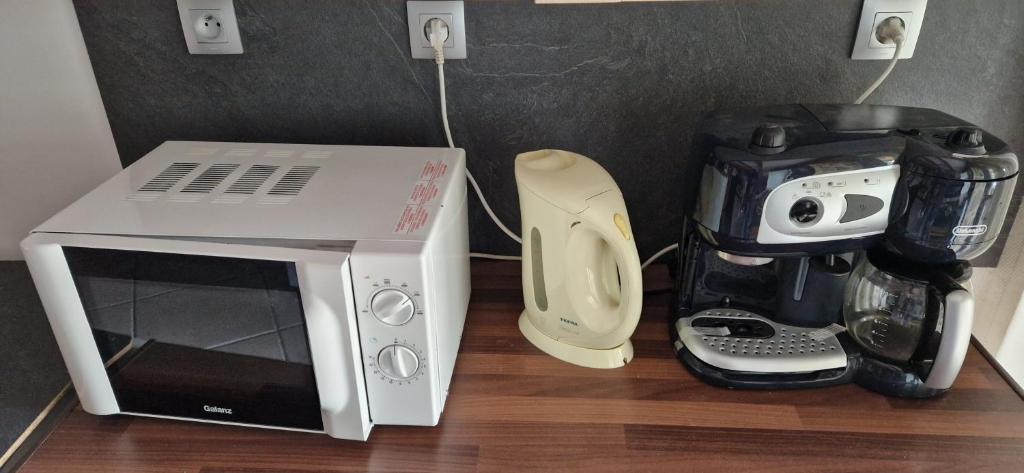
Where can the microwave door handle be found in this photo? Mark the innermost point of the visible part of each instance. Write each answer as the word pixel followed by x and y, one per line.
pixel 957 320
pixel 334 348
pixel 56 286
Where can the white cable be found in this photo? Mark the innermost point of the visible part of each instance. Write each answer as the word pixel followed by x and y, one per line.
pixel 487 208
pixel 444 103
pixel 439 59
pixel 437 43
pixel 894 32
pixel 657 255
pixel 497 257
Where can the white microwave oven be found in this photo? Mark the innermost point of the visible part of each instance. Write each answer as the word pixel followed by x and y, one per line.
pixel 313 288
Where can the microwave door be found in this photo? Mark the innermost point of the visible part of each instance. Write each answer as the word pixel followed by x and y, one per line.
pixel 224 333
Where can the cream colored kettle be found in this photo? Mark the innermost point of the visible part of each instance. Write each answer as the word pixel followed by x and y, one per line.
pixel 582 284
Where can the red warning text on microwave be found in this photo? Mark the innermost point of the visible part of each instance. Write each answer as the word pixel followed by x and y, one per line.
pixel 422 193
pixel 413 218
pixel 433 170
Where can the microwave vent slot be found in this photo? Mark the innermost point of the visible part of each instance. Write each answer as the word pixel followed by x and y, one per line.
pixel 168 177
pixel 279 153
pixel 293 181
pixel 184 198
pixel 210 178
pixel 317 154
pixel 276 199
pixel 252 179
pixel 240 153
pixel 139 197
pixel 201 151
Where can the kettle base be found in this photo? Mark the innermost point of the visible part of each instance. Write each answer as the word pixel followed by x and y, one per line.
pixel 615 357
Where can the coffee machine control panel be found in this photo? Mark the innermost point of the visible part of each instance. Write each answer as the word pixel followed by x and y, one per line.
pixel 829 206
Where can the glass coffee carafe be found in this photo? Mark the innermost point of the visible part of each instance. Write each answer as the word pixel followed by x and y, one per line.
pixel 884 312
pixel 912 320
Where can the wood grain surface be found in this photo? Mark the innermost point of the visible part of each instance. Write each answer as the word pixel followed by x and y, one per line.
pixel 512 408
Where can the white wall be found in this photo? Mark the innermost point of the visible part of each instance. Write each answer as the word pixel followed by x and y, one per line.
pixel 998 313
pixel 55 142
pixel 998 290
pixel 1011 350
pixel 999 303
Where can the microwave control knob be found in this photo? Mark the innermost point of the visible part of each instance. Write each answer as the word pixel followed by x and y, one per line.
pixel 392 306
pixel 398 362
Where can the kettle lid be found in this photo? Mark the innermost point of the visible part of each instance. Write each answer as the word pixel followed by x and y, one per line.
pixel 562 178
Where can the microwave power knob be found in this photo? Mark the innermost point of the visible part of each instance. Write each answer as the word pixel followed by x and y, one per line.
pixel 392 306
pixel 398 362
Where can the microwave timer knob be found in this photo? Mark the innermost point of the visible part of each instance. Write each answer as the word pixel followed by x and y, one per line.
pixel 392 306
pixel 398 362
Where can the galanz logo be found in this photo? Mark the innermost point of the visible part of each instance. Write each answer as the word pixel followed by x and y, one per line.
pixel 218 410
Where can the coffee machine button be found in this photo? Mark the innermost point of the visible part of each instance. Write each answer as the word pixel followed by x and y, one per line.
pixel 860 206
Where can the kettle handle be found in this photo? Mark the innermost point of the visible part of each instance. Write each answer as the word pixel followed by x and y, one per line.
pixel 606 215
pixel 957 320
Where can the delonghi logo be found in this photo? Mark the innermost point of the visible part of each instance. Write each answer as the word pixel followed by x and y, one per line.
pixel 218 410
pixel 570 322
pixel 968 230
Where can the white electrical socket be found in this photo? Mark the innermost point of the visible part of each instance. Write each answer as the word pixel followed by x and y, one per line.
pixel 873 13
pixel 210 26
pixel 421 12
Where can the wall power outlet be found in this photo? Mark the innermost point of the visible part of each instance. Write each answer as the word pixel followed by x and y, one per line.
pixel 210 26
pixel 873 13
pixel 452 13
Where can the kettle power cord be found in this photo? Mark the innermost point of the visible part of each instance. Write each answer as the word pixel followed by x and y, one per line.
pixel 891 30
pixel 657 255
pixel 438 33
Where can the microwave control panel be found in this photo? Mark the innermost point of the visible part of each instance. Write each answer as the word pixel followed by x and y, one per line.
pixel 400 360
pixel 396 333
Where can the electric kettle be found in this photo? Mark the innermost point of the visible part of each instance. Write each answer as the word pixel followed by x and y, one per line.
pixel 582 284
pixel 912 321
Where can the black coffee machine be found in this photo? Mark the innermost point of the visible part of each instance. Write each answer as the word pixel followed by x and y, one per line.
pixel 828 244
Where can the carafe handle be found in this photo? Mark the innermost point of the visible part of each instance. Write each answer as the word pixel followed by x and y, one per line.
pixel 957 320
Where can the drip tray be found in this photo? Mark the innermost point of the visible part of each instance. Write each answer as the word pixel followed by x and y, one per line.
pixel 739 340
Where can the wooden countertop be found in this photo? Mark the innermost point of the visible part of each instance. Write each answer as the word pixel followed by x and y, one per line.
pixel 512 408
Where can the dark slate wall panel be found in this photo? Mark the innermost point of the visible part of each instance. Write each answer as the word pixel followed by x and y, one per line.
pixel 622 84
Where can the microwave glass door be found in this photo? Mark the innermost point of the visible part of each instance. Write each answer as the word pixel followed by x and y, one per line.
pixel 200 337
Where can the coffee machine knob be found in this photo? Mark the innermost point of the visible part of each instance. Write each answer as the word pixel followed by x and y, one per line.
pixel 805 212
pixel 966 138
pixel 768 139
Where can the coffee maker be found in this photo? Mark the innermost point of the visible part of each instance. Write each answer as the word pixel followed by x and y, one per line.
pixel 828 244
